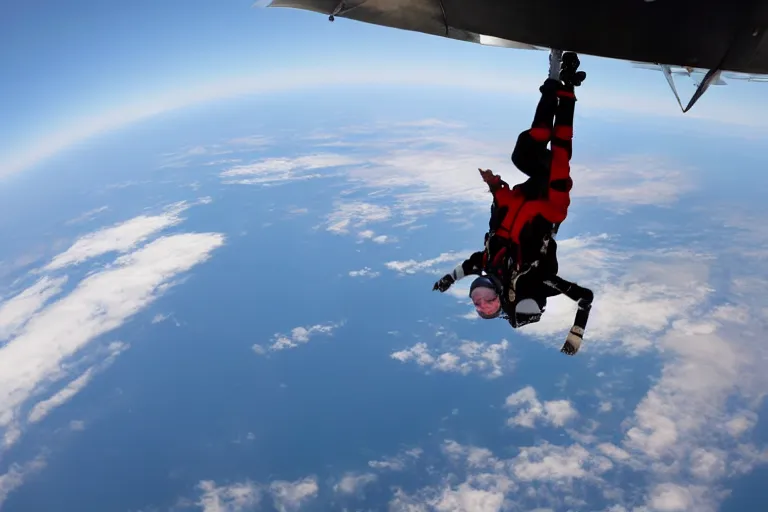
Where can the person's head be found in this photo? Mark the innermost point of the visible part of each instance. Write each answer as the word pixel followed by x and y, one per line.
pixel 485 296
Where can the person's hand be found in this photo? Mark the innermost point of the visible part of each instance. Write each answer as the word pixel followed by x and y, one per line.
pixel 572 341
pixel 493 181
pixel 488 175
pixel 444 283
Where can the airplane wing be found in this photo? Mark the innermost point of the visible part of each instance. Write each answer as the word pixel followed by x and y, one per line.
pixel 746 76
pixel 714 36
pixel 723 34
pixel 425 17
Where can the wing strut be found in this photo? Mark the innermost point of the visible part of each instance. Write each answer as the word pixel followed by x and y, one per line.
pixel 665 68
pixel 712 76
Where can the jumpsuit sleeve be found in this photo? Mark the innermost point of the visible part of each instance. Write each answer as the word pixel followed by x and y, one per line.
pixel 581 296
pixel 472 265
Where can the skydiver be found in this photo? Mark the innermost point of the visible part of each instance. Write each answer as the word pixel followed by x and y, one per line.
pixel 518 268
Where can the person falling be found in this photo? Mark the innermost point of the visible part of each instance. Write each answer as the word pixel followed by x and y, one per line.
pixel 518 268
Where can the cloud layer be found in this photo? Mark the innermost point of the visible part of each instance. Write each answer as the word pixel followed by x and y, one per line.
pixel 431 166
pixel 46 340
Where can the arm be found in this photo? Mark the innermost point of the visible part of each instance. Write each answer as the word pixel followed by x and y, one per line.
pixel 472 265
pixel 493 181
pixel 583 298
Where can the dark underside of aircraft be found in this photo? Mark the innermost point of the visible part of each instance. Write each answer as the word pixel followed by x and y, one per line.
pixel 715 36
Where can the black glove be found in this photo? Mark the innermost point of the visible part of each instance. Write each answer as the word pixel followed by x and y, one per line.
pixel 444 283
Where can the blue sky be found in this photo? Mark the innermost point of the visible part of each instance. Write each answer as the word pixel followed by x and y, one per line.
pixel 663 188
pixel 75 70
pixel 380 194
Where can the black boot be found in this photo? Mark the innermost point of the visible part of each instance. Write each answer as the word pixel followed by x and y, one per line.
pixel 569 74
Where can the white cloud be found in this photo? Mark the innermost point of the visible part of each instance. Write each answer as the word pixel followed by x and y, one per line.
pixel 687 430
pixel 738 425
pixel 159 317
pixel 369 234
pixel 689 435
pixel 637 297
pixel 16 474
pixel 464 358
pixel 247 495
pixel 352 483
pixel 224 150
pixel 290 496
pixel 77 425
pixel 414 266
pixel 549 462
pixel 433 168
pixel 390 464
pixel 86 216
pixel 631 180
pixel 100 303
pixel 402 501
pixel 299 335
pixel 475 457
pixel 356 214
pixel 250 141
pixel 554 412
pixel 479 480
pixel 398 462
pixel 364 272
pixel 237 497
pixel 614 452
pixel 118 238
pixel 43 408
pixel 685 418
pixel 466 497
pixel 162 317
pixel 11 435
pixel 280 170
pixel 731 313
pixel 671 498
pixel 16 311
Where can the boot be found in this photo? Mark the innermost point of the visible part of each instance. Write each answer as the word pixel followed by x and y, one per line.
pixel 569 74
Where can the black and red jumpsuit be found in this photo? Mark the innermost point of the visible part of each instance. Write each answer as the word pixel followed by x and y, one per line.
pixel 524 217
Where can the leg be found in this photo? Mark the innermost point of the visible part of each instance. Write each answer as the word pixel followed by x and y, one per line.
pixel 531 155
pixel 541 128
pixel 555 207
pixel 548 193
